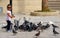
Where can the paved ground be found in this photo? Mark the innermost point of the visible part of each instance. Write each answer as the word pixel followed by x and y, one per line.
pixel 45 34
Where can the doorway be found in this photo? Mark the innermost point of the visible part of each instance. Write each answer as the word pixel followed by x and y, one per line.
pixel 11 4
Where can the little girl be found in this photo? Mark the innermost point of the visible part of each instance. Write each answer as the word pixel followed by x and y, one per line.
pixel 9 16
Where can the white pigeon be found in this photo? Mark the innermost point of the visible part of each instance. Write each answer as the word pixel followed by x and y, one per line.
pixel 50 22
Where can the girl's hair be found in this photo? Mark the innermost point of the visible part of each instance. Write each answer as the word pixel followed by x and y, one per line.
pixel 9 6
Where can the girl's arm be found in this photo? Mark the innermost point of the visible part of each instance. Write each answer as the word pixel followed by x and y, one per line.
pixel 10 15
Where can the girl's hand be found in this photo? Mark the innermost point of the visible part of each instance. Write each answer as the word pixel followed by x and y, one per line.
pixel 13 16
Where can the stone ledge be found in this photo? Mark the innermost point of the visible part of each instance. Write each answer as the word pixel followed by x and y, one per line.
pixel 52 13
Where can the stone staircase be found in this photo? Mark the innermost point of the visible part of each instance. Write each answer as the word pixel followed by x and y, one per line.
pixel 54 4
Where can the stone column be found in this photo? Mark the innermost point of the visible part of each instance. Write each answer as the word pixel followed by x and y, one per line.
pixel 44 5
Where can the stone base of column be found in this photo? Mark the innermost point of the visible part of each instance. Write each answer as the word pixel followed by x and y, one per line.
pixel 52 13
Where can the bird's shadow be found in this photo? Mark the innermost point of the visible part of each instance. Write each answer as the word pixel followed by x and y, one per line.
pixel 14 34
pixel 55 35
pixel 35 37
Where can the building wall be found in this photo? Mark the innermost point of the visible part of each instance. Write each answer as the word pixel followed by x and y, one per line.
pixel 20 6
pixel 3 4
pixel 29 5
pixel 32 5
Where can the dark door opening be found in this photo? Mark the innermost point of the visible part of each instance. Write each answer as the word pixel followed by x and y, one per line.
pixel 11 4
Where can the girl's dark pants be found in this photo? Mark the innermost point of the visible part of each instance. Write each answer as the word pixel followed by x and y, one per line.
pixel 8 25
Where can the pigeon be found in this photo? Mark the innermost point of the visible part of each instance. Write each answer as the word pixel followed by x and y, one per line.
pixel 54 26
pixel 45 27
pixel 4 27
pixel 14 32
pixel 40 24
pixel 50 22
pixel 54 31
pixel 37 34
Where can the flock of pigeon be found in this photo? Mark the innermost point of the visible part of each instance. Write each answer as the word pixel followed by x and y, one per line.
pixel 29 26
pixel 46 27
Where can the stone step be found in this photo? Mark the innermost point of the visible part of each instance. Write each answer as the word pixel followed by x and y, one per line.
pixel 52 13
pixel 54 4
